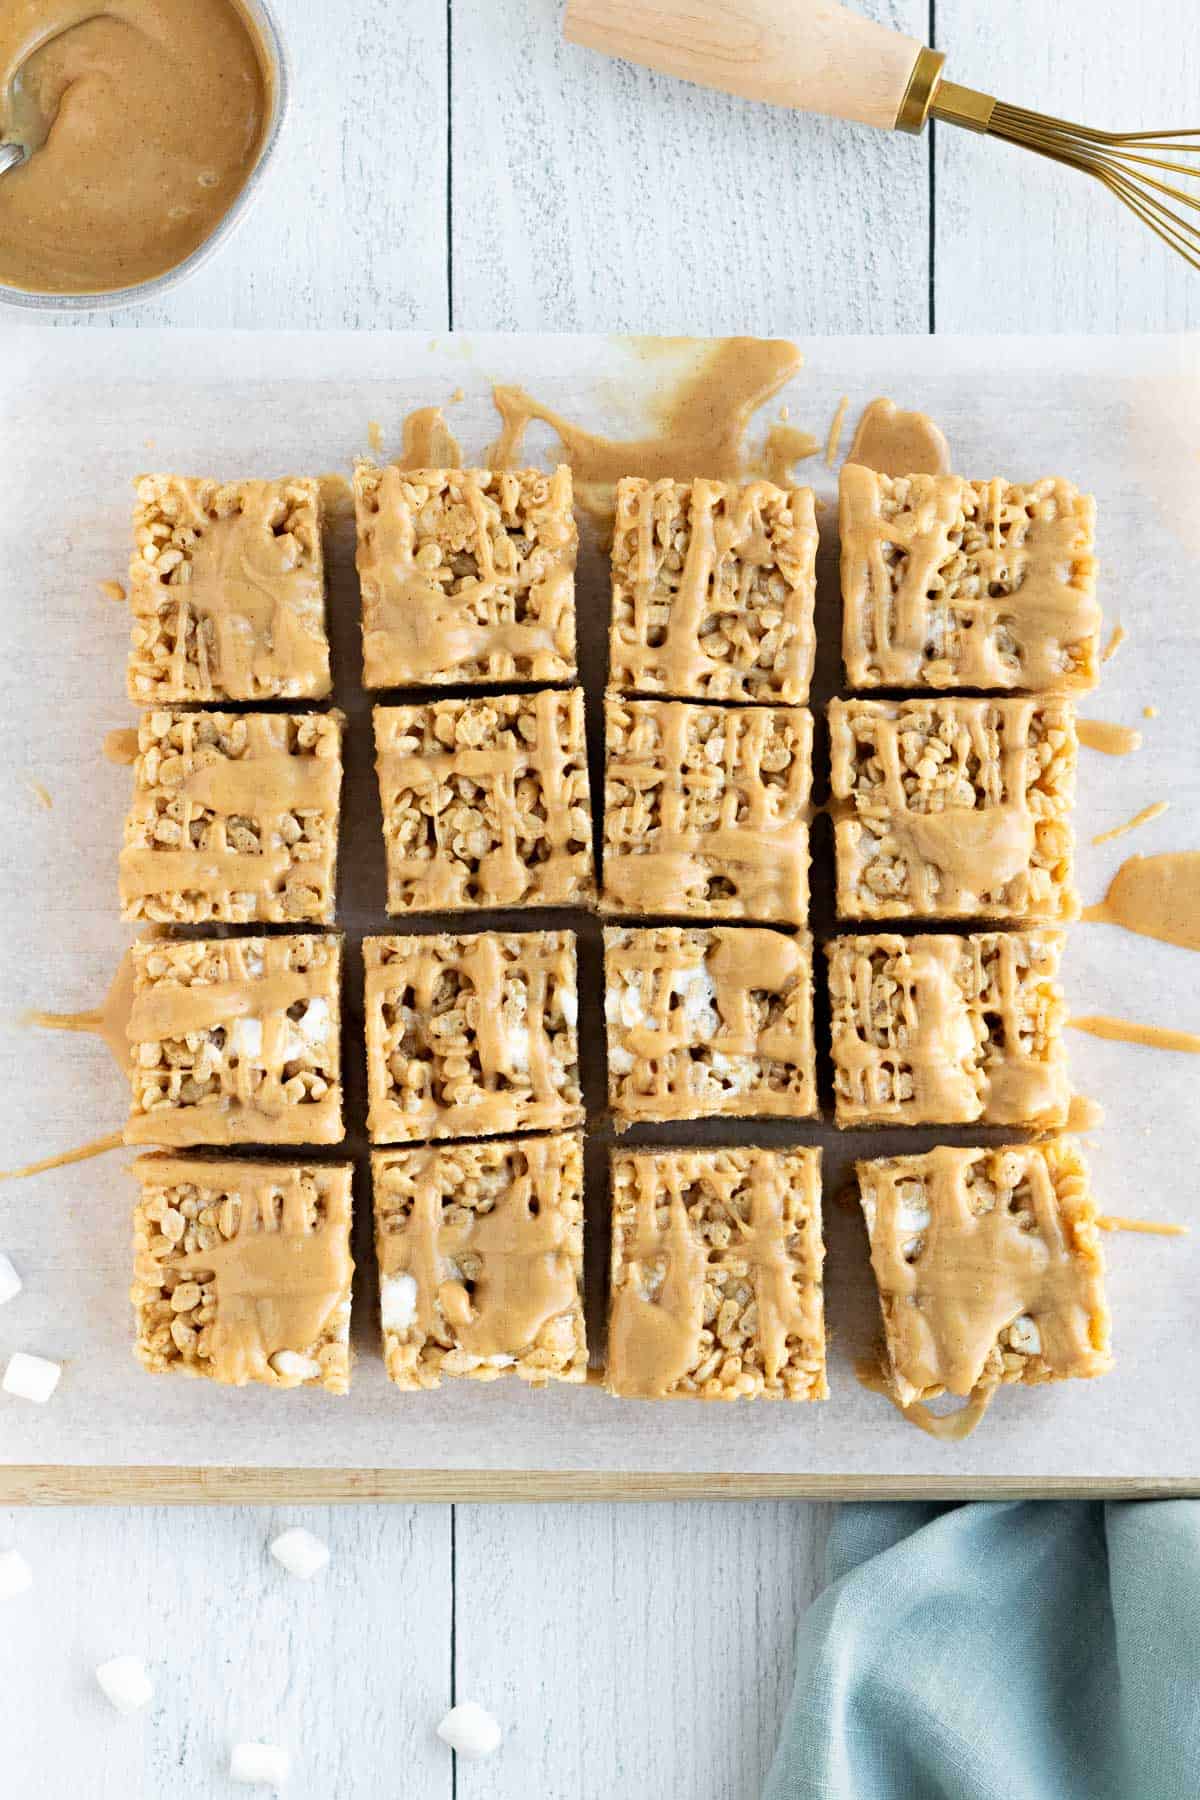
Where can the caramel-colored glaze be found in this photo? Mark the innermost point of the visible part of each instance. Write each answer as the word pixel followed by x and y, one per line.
pixel 413 629
pixel 758 846
pixel 1144 1227
pixel 1109 739
pixel 280 1276
pixel 428 441
pixel 836 426
pixel 785 446
pixel 950 1427
pixel 1036 575
pixel 654 1342
pixel 1144 817
pixel 110 1022
pixel 526 1274
pixel 97 1147
pixel 112 590
pixel 1128 1031
pixel 701 422
pixel 1155 896
pixel 121 747
pixel 976 1272
pixel 145 117
pixel 892 442
pixel 1117 637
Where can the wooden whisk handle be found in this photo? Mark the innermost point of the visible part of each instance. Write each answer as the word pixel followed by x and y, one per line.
pixel 813 55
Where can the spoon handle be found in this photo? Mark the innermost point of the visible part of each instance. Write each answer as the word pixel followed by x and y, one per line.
pixel 10 156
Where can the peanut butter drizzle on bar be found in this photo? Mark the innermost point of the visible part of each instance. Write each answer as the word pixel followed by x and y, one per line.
pixel 269 782
pixel 654 1341
pixel 727 527
pixel 247 598
pixel 1156 897
pixel 759 844
pixel 280 1276
pixel 250 1104
pixel 978 850
pixel 503 876
pixel 1027 615
pixel 893 442
pixel 526 1275
pixel 973 1273
pixel 413 629
pixel 963 1067
pixel 504 1096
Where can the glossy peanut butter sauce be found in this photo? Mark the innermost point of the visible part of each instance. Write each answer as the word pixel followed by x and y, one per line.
pixel 144 117
pixel 1156 897
pixel 1109 739
pixel 894 442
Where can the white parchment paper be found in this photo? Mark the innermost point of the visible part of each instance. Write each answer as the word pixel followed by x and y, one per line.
pixel 82 412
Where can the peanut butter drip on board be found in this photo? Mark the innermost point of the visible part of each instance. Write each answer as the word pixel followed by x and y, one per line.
pixel 1147 816
pixel 145 118
pixel 953 583
pixel 747 548
pixel 281 1275
pixel 658 1302
pixel 109 1022
pixel 1128 1031
pixel 757 846
pixel 270 782
pixel 984 1259
pixel 701 424
pixel 1109 739
pixel 1155 896
pixel 249 1103
pixel 513 618
pixel 949 1428
pixel 893 442
pixel 428 441
pixel 515 1079
pixel 524 1272
pixel 960 1022
pixel 247 600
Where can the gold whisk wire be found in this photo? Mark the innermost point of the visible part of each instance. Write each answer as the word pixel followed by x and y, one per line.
pixel 1129 164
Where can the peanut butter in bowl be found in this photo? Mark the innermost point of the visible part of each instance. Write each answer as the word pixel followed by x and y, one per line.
pixel 144 123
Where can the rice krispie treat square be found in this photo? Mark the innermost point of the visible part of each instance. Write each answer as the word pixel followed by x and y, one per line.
pixel 236 1041
pixel 989 1268
pixel 466 574
pixel 227 588
pixel 954 809
pixel 485 802
pixel 234 819
pixel 706 810
pixel 716 1275
pixel 971 584
pixel 242 1270
pixel 948 1030
pixel 709 1024
pixel 713 588
pixel 480 1251
pixel 471 1036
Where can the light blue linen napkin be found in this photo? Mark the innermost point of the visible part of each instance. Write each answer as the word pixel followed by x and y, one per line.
pixel 1033 1651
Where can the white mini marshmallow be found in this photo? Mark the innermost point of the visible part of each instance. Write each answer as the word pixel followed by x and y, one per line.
pixel 16 1576
pixel 246 1037
pixel 568 1001
pixel 470 1730
pixel 31 1377
pixel 10 1281
pixel 313 1022
pixel 1024 1335
pixel 398 1301
pixel 267 1763
pixel 294 1367
pixel 301 1554
pixel 125 1682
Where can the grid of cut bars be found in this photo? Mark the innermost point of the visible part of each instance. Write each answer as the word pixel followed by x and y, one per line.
pixel 948 808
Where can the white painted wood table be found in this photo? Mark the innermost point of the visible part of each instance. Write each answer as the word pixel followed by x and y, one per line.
pixel 458 166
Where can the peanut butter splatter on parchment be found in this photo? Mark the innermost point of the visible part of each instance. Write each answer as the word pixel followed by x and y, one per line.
pixel 894 442
pixel 108 1021
pixel 1119 635
pixel 428 441
pixel 121 747
pixel 112 590
pixel 1144 817
pixel 785 446
pixel 97 1147
pixel 1111 740
pixel 1129 1031
pixel 1156 897
pixel 834 438
pixel 1145 1227
pixel 701 424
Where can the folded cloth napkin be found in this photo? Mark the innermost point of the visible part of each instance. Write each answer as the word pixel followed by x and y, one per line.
pixel 1034 1651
